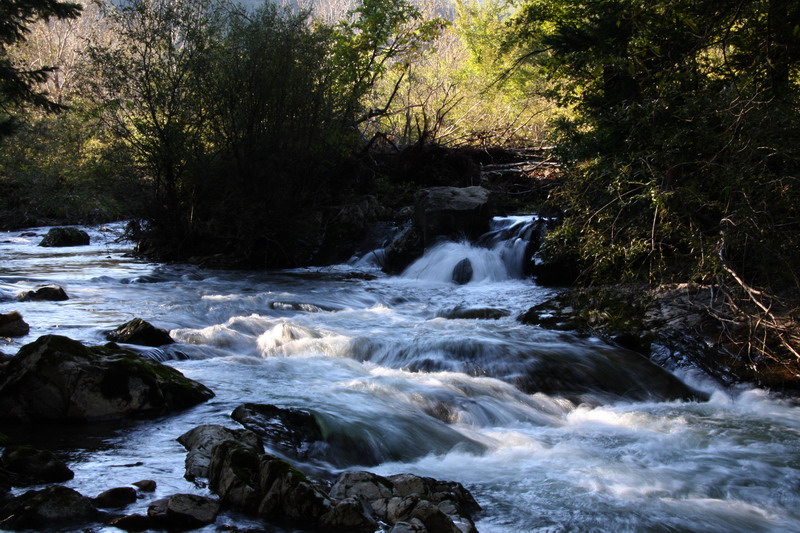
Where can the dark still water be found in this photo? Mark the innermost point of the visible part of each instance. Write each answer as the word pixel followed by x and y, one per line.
pixel 436 396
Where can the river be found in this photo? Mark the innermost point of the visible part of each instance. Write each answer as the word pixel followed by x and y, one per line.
pixel 377 357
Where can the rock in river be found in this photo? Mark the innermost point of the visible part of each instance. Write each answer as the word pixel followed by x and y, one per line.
pixel 57 378
pixel 12 325
pixel 50 293
pixel 43 509
pixel 60 237
pixel 140 332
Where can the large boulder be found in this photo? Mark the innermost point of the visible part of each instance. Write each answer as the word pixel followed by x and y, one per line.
pixel 60 237
pixel 49 293
pixel 43 509
pixel 12 325
pixel 57 378
pixel 259 484
pixel 140 332
pixel 452 212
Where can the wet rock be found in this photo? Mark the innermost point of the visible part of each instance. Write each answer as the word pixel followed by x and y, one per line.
pixel 299 434
pixel 452 212
pixel 607 373
pixel 201 441
pixel 134 522
pixel 473 313
pixel 30 466
pixel 403 250
pixel 299 306
pixel 12 325
pixel 42 509
pixel 438 505
pixel 115 498
pixel 50 293
pixel 265 486
pixel 60 237
pixel 234 476
pixel 291 430
pixel 362 484
pixel 462 272
pixel 140 332
pixel 412 526
pixel 145 485
pixel 183 511
pixel 57 378
pixel 350 514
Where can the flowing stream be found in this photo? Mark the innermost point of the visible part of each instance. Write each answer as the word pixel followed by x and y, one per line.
pixel 549 431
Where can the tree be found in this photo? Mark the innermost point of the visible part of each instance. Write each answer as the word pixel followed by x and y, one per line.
pixel 681 158
pixel 685 123
pixel 19 86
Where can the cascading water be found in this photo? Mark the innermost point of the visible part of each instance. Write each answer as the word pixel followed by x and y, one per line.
pixel 499 255
pixel 550 432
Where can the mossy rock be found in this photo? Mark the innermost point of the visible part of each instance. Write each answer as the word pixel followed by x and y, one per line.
pixel 57 378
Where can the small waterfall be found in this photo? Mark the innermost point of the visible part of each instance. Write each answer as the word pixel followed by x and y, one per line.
pixel 501 254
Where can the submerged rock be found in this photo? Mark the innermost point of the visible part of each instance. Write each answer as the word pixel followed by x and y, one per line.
pixel 292 431
pixel 51 293
pixel 321 437
pixel 57 378
pixel 60 237
pixel 43 509
pixel 140 332
pixel 30 466
pixel 12 325
pixel 473 313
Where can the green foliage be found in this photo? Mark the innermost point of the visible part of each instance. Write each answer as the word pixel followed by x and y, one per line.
pixel 18 85
pixel 60 169
pixel 682 158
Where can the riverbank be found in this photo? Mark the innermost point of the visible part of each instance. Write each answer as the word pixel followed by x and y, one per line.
pixel 681 327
